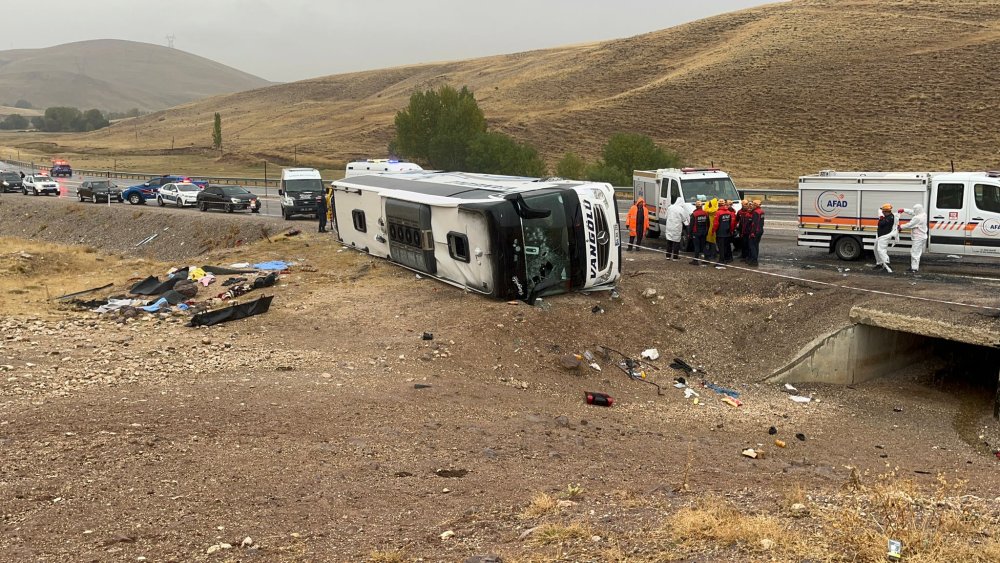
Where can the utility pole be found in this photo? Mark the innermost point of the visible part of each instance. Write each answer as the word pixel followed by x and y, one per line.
pixel 265 178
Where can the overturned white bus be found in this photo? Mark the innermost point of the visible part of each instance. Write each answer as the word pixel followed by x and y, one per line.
pixel 502 236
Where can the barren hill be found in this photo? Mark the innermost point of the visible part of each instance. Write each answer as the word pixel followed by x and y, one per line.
pixel 115 75
pixel 770 93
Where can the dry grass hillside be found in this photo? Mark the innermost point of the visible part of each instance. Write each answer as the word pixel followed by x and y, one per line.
pixel 770 93
pixel 115 75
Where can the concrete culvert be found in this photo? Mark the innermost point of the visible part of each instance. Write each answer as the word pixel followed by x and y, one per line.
pixel 880 344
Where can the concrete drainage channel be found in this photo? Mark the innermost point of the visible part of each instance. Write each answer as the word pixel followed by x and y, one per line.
pixel 879 343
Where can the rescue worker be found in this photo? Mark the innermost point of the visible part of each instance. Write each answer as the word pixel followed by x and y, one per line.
pixel 917 225
pixel 886 231
pixel 321 212
pixel 755 232
pixel 637 223
pixel 725 226
pixel 742 226
pixel 712 207
pixel 677 219
pixel 699 232
pixel 330 212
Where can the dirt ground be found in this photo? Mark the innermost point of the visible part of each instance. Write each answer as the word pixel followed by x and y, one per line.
pixel 328 429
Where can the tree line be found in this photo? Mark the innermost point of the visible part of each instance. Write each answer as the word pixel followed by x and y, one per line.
pixel 65 118
pixel 445 129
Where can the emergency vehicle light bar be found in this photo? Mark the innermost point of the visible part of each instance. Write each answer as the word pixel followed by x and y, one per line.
pixel 689 170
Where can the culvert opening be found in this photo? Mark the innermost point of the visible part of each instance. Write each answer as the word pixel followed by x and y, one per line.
pixel 861 352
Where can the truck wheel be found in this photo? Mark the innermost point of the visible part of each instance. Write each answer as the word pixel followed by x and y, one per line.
pixel 286 215
pixel 135 199
pixel 848 248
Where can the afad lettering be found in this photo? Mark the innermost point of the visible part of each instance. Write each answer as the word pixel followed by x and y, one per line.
pixel 991 227
pixel 829 204
pixel 588 210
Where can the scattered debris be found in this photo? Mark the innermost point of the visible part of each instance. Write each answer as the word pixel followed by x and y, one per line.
pixel 232 313
pixel 597 310
pixel 750 453
pixel 599 399
pixel 780 443
pixel 570 361
pixel 789 388
pixel 447 534
pixel 427 336
pixel 84 292
pixel 772 431
pixel 895 549
pixel 897 409
pixel 649 293
pixel 677 327
pixel 731 401
pixel 650 354
pixel 689 392
pixel 800 398
pixel 452 473
pixel 595 366
pixel 421 386
pixel 800 437
pixel 721 390
pixel 147 240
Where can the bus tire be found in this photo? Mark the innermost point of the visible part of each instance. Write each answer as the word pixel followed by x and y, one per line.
pixel 848 248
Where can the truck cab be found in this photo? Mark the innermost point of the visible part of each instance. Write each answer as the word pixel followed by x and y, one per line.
pixel 300 191
pixel 963 215
pixel 660 188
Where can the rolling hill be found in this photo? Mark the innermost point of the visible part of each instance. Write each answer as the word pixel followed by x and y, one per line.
pixel 115 75
pixel 769 93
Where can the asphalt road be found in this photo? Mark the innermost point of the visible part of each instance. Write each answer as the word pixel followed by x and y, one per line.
pixel 779 244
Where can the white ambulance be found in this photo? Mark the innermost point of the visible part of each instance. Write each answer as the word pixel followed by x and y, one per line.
pixel 660 188
pixel 300 191
pixel 379 166
pixel 839 211
pixel 502 236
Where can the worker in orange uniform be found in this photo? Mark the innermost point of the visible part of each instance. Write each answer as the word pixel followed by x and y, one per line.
pixel 637 223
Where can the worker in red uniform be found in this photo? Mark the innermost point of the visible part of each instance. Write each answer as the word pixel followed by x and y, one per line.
pixel 699 232
pixel 725 226
pixel 743 228
pixel 637 223
pixel 756 232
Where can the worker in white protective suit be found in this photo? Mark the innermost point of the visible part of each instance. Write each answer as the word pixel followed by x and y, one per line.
pixel 917 225
pixel 887 231
pixel 678 217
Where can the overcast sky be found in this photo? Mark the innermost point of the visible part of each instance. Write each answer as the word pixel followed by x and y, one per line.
pixel 285 40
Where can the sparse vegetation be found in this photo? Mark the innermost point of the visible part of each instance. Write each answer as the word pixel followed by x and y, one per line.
pixel 14 122
pixel 548 534
pixel 541 504
pixel 217 132
pixel 572 167
pixel 63 118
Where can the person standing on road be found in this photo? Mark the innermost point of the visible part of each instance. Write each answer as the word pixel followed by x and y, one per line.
pixel 330 211
pixel 917 225
pixel 699 232
pixel 321 212
pixel 725 226
pixel 886 231
pixel 742 226
pixel 712 207
pixel 637 223
pixel 677 219
pixel 755 232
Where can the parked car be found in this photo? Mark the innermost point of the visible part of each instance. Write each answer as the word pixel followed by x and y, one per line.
pixel 137 195
pixel 61 168
pixel 39 184
pixel 181 194
pixel 229 198
pixel 10 182
pixel 99 190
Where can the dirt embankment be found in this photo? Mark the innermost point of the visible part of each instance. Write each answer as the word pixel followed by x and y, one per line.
pixel 120 229
pixel 304 429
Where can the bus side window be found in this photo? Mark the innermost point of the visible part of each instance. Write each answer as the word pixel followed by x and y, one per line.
pixel 358 216
pixel 675 191
pixel 665 186
pixel 950 196
pixel 458 246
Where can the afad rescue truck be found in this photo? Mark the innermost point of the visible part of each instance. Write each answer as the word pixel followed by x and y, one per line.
pixel 502 236
pixel 660 188
pixel 838 211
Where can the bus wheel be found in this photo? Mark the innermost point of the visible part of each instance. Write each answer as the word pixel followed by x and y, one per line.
pixel 848 248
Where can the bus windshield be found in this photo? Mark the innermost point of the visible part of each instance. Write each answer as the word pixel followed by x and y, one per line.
pixel 546 243
pixel 707 189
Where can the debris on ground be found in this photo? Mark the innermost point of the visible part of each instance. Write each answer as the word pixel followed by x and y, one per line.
pixel 649 293
pixel 599 399
pixel 800 398
pixel 750 453
pixel 650 354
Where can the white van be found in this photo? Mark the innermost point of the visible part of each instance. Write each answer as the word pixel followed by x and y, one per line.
pixel 660 188
pixel 379 166
pixel 838 211
pixel 300 191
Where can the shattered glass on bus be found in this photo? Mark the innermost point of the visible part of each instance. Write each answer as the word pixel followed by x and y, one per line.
pixel 707 189
pixel 546 243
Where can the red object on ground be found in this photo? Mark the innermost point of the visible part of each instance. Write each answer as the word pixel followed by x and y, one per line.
pixel 599 399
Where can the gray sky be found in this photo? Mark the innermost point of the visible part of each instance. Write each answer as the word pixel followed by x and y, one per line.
pixel 285 40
